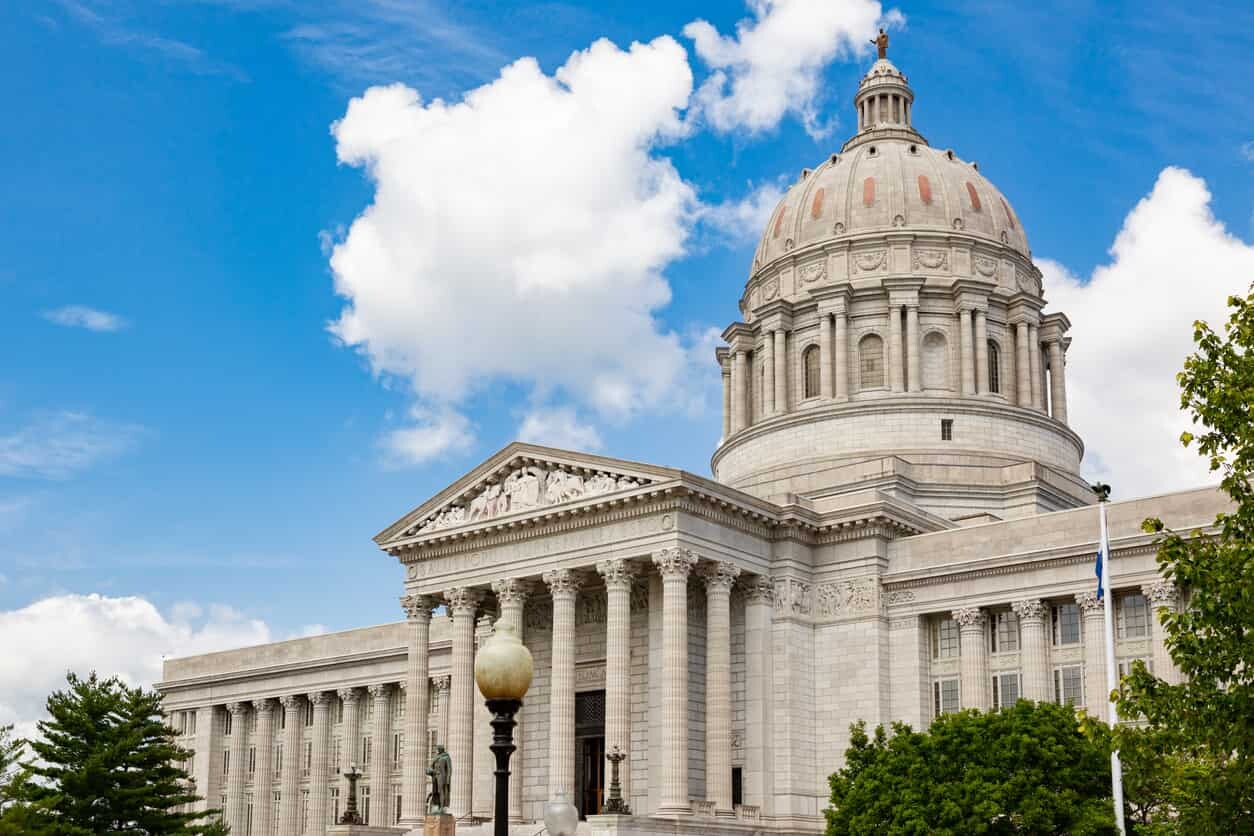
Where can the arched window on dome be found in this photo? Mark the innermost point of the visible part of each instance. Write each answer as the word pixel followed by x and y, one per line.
pixel 871 362
pixel 935 361
pixel 810 367
pixel 994 367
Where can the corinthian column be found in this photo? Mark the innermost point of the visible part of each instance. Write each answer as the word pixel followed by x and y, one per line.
pixel 1034 641
pixel 350 742
pixel 842 356
pixel 768 374
pixel 413 775
pixel 564 586
pixel 380 732
pixel 913 349
pixel 1057 381
pixel 719 578
pixel 973 649
pixel 1023 366
pixel 1162 596
pixel 825 357
pixel 263 775
pixel 896 369
pixel 462 604
pixel 318 765
pixel 981 353
pixel 1034 366
pixel 235 763
pixel 1095 693
pixel 740 392
pixel 965 355
pixel 618 577
pixel 289 782
pixel 781 371
pixel 674 565
pixel 511 595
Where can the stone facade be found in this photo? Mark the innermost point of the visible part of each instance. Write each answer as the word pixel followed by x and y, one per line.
pixel 897 528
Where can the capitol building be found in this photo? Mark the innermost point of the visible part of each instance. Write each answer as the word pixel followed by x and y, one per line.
pixel 896 528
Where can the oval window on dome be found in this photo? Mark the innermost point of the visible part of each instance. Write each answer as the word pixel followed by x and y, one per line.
pixel 925 190
pixel 868 191
pixel 974 195
pixel 1010 216
pixel 816 207
pixel 779 223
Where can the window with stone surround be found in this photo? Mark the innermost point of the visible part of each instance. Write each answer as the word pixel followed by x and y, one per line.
pixel 396 814
pixel 335 805
pixel 306 713
pixel 945 696
pixel 252 759
pixel 365 751
pixel 398 745
pixel 226 762
pixel 307 764
pixel 1069 685
pixel 810 365
pixel 1003 632
pixel 871 362
pixel 1066 623
pixel 1125 665
pixel 278 760
pixel 304 811
pixel 336 745
pixel 994 367
pixel 1133 616
pixel 275 803
pixel 944 638
pixel 227 723
pixel 337 711
pixel 947 429
pixel 1007 688
pixel 363 803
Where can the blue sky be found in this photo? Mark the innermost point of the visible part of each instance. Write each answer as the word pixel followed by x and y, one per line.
pixel 171 164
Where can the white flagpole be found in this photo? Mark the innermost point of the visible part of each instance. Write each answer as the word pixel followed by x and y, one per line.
pixel 1112 673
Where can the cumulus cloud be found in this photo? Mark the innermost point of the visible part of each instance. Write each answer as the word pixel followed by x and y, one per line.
pixel 125 636
pixel 57 445
pixel 519 236
pixel 744 219
pixel 1132 325
pixel 429 435
pixel 559 427
pixel 773 64
pixel 81 316
pixel 1247 151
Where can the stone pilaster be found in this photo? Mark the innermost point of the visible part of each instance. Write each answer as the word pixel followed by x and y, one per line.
pixel 768 374
pixel 319 763
pixel 564 587
pixel 1034 643
pixel 740 391
pixel 781 371
pixel 1034 366
pixel 896 368
pixel 759 791
pixel 981 352
pixel 413 767
pixel 914 348
pixel 462 604
pixel 484 793
pixel 724 367
pixel 842 355
pixel 674 565
pixel 1096 697
pixel 1023 366
pixel 263 774
pixel 973 649
pixel 1161 596
pixel 825 357
pixel 618 577
pixel 511 595
pixel 236 771
pixel 719 578
pixel 289 783
pixel 965 355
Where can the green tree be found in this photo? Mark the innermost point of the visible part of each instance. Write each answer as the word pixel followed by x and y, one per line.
pixel 1030 768
pixel 105 762
pixel 10 751
pixel 1205 725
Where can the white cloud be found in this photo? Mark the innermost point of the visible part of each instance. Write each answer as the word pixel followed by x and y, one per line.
pixel 774 63
pixel 430 435
pixel 519 236
pixel 559 427
pixel 744 219
pixel 1132 326
pixel 60 444
pixel 127 637
pixel 81 316
pixel 1247 151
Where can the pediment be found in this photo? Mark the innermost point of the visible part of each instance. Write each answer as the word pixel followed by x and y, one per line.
pixel 520 479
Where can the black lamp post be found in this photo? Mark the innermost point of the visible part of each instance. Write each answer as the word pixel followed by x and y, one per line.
pixel 503 671
pixel 350 810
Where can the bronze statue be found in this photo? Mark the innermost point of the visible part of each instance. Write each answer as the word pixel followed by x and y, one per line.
pixel 881 43
pixel 441 772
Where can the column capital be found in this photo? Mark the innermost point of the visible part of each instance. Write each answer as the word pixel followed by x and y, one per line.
pixel 484 627
pixel 349 695
pixel 1089 604
pixel 463 600
pixel 379 691
pixel 1030 609
pixel 617 572
pixel 442 682
pixel 674 562
pixel 237 709
pixel 263 706
pixel 290 701
pixel 719 576
pixel 562 582
pixel 970 618
pixel 319 698
pixel 758 589
pixel 1161 593
pixel 418 607
pixel 511 591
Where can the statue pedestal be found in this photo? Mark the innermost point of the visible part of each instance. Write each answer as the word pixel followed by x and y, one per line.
pixel 442 825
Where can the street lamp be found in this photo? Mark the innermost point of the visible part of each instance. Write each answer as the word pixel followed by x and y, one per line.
pixel 350 810
pixel 503 671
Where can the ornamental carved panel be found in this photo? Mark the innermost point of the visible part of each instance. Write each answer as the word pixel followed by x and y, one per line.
pixel 813 272
pixel 921 259
pixel 869 262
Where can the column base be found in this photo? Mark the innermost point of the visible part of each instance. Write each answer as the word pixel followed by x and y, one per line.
pixel 673 810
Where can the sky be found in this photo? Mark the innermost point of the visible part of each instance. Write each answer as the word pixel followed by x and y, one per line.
pixel 274 273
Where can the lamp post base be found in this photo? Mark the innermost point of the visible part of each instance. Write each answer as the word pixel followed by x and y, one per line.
pixel 503 747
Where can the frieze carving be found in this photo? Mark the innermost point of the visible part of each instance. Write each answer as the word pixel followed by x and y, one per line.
pixel 870 261
pixel 538 614
pixel 846 598
pixel 590 675
pixel 591 608
pixel 525 488
pixel 793 596
pixel 930 259
pixel 1026 282
pixel 770 289
pixel 640 594
pixel 905 623
pixel 901 596
pixel 813 272
pixel 985 266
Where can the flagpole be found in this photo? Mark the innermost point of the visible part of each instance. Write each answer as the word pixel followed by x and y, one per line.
pixel 1112 673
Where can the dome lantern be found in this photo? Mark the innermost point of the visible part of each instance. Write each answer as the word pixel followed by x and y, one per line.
pixel 884 102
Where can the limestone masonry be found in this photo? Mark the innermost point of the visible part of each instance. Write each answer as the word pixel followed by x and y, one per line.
pixel 897 528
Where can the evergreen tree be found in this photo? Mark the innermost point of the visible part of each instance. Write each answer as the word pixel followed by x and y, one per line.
pixel 10 751
pixel 105 763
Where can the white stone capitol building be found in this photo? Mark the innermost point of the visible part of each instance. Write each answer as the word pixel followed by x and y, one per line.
pixel 896 528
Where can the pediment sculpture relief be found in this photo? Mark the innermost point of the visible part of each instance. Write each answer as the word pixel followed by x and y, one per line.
pixel 527 487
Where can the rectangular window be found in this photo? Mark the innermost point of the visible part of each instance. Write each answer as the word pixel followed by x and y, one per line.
pixel 1066 619
pixel 335 805
pixel 274 811
pixel 945 696
pixel 1069 685
pixel 396 819
pixel 1003 630
pixel 396 751
pixel 226 762
pixel 308 764
pixel 226 723
pixel 191 717
pixel 252 722
pixel 369 710
pixel 947 429
pixel 1125 665
pixel 944 638
pixel 307 713
pixel 278 760
pixel 1006 689
pixel 252 759
pixel 335 755
pixel 738 785
pixel 1134 616
pixel 248 817
pixel 364 804
pixel 337 711
pixel 282 718
pixel 304 811
pixel 365 751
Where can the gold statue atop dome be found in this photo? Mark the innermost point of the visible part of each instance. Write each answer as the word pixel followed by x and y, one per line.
pixel 881 43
